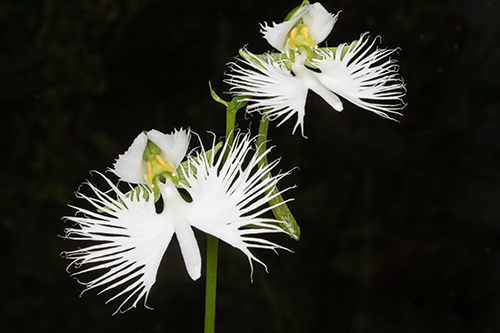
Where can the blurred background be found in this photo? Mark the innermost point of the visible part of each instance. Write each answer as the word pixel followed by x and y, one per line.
pixel 400 222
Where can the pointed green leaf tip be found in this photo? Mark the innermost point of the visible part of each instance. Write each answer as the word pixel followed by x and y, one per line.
pixel 233 106
pixel 293 11
pixel 215 96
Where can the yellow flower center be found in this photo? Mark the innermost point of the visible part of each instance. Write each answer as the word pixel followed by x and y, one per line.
pixel 299 36
pixel 157 166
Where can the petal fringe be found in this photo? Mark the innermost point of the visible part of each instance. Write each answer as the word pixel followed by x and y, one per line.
pixel 131 240
pixel 128 237
pixel 364 75
pixel 230 197
pixel 271 88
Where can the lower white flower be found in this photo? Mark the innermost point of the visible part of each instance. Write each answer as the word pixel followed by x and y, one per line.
pixel 358 72
pixel 227 200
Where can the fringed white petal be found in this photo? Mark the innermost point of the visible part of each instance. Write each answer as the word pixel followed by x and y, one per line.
pixel 319 21
pixel 364 76
pixel 130 166
pixel 229 198
pixel 271 88
pixel 173 146
pixel 130 240
pixel 128 237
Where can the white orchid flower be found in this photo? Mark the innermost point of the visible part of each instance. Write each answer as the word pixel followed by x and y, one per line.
pixel 277 85
pixel 226 201
pixel 316 24
pixel 131 166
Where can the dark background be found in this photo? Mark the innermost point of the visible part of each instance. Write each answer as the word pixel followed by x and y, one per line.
pixel 400 222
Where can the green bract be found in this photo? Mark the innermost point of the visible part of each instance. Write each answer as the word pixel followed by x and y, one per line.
pixel 231 107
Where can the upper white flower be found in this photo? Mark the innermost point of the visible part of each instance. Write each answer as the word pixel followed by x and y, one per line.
pixel 318 20
pixel 131 236
pixel 131 166
pixel 277 85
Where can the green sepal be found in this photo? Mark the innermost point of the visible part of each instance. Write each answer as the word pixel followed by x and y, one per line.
pixel 137 192
pixel 296 9
pixel 311 55
pixel 184 166
pixel 133 193
pixel 266 56
pixel 318 56
pixel 345 49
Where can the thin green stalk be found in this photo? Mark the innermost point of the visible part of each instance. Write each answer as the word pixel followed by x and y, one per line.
pixel 230 124
pixel 211 283
pixel 213 242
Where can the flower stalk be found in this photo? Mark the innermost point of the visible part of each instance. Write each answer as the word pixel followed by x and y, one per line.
pixel 211 283
pixel 212 242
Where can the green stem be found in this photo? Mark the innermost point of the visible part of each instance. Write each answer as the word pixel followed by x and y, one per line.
pixel 213 242
pixel 261 139
pixel 231 111
pixel 230 124
pixel 211 284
